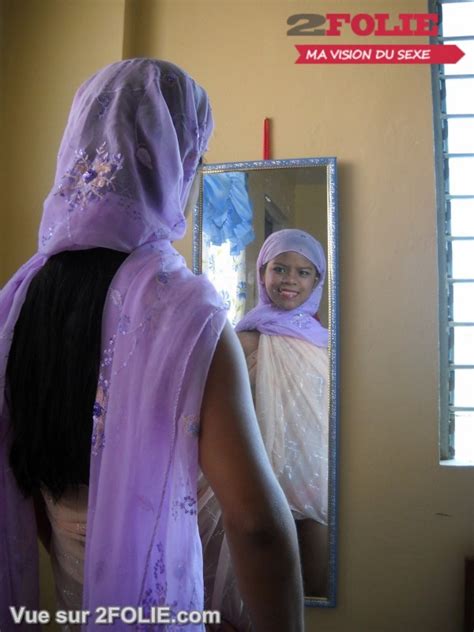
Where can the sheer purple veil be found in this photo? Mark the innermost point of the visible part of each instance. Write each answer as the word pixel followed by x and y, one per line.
pixel 129 153
pixel 300 323
pixel 127 158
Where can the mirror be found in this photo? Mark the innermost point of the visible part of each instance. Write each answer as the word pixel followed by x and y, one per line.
pixel 240 205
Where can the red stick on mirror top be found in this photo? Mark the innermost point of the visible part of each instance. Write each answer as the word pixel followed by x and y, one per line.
pixel 266 139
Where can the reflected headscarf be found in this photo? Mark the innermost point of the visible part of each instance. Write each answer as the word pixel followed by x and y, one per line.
pixel 130 150
pixel 268 318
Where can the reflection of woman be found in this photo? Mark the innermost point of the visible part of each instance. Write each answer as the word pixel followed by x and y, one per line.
pixel 118 361
pixel 286 350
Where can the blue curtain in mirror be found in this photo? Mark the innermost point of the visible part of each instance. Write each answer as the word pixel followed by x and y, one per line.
pixel 227 210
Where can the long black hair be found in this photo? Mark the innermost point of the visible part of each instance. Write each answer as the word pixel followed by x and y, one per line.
pixel 53 369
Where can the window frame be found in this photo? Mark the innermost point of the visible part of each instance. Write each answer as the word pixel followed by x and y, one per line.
pixel 447 325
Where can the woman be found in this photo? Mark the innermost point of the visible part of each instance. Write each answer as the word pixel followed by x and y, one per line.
pixel 286 351
pixel 154 397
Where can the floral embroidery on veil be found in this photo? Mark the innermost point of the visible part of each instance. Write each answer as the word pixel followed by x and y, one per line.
pixel 90 179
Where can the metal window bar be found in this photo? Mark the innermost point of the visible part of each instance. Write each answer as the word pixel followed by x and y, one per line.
pixel 455 38
pixel 449 77
pixel 445 238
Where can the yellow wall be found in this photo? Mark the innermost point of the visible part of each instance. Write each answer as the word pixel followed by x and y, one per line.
pixel 50 47
pixel 2 136
pixel 405 522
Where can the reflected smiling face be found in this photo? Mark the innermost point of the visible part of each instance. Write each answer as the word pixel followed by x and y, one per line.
pixel 289 279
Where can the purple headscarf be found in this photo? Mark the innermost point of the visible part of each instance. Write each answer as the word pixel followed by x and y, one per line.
pixel 131 147
pixel 268 318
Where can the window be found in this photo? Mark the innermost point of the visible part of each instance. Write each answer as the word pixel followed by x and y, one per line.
pixel 453 92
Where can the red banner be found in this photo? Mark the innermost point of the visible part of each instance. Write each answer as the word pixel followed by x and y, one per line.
pixel 378 54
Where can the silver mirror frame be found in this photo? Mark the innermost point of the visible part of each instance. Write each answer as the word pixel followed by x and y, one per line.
pixel 333 321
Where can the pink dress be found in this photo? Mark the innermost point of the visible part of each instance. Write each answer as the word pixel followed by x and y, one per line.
pixel 68 520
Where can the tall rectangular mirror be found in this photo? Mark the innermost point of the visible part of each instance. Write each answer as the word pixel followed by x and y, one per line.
pixel 240 206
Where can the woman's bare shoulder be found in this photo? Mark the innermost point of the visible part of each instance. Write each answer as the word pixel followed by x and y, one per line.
pixel 249 341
